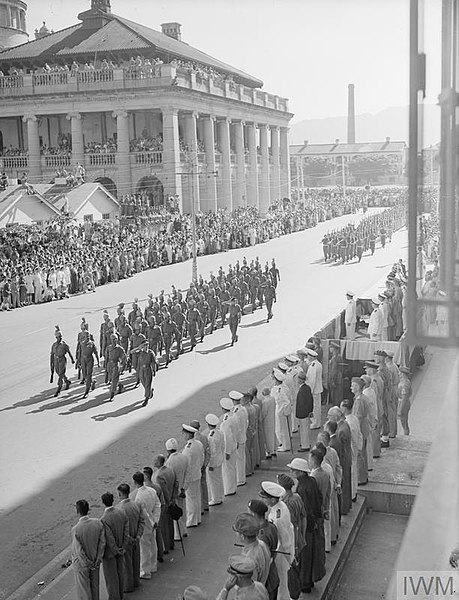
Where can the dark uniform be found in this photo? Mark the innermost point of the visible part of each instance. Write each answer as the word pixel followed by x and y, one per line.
pixel 58 362
pixel 87 352
pixel 169 334
pixel 116 361
pixel 147 368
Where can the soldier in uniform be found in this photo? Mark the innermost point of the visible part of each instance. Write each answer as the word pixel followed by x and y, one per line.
pixel 335 374
pixel 216 441
pixel 350 315
pixel 116 361
pixel 125 333
pixel 103 343
pixel 132 316
pixel 170 332
pixel 383 371
pixel 195 453
pixel 269 292
pixel 194 322
pixel 234 318
pixel 228 427
pixel 280 393
pixel 136 339
pixel 203 307
pixel 58 361
pixel 146 366
pixel 88 350
pixel 180 320
pixel 404 399
pixel 80 338
pixel 154 334
pixel 274 271
pixel 224 302
pixel 395 380
pixel 200 437
pixel 326 246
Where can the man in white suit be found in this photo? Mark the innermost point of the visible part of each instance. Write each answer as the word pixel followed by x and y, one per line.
pixel 375 324
pixel 214 466
pixel 228 428
pixel 350 315
pixel 314 380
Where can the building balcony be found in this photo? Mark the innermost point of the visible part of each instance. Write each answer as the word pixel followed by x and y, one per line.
pixel 30 85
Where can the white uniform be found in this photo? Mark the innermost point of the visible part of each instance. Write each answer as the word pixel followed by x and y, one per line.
pixel 291 381
pixel 314 380
pixel 195 452
pixel 268 418
pixel 242 420
pixel 147 498
pixel 283 410
pixel 228 428
pixel 214 467
pixel 350 318
pixel 375 326
pixel 356 446
pixel 279 514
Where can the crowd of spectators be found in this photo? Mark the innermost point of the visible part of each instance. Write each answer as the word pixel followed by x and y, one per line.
pixel 41 263
pixel 147 143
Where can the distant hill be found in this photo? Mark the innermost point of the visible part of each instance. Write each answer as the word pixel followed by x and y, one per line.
pixel 391 122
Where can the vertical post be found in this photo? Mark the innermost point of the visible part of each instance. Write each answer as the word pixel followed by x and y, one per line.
pixel 211 183
pixel 264 188
pixel 171 155
pixel 226 200
pixel 275 181
pixel 284 163
pixel 252 184
pixel 76 128
pixel 33 143
pixel 238 137
pixel 123 165
pixel 193 171
pixel 343 173
pixel 191 139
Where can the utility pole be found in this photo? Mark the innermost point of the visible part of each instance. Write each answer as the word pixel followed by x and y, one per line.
pixel 344 176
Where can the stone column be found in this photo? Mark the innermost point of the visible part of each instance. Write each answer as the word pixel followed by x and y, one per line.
pixel 275 178
pixel 264 191
pixel 33 144
pixel 123 163
pixel 210 201
pixel 226 199
pixel 284 163
pixel 239 190
pixel 252 183
pixel 191 165
pixel 172 180
pixel 76 127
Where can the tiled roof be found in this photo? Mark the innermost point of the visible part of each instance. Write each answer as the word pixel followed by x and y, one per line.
pixel 117 34
pixel 36 48
pixel 114 36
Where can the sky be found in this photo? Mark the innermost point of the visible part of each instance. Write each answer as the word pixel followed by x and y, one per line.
pixel 304 50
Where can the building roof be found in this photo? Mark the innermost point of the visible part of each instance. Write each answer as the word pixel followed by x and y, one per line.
pixel 12 195
pixel 116 34
pixel 338 148
pixel 60 196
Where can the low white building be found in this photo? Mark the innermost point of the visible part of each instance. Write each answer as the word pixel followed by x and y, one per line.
pixel 18 207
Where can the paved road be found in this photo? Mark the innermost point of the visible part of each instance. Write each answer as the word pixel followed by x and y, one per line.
pixel 68 447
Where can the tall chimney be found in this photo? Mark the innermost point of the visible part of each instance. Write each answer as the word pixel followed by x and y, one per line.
pixel 350 114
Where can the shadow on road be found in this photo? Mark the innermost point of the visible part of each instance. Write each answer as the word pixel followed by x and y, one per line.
pixel 254 324
pixel 215 349
pixel 125 410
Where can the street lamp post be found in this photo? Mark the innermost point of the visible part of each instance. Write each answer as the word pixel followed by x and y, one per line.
pixel 194 267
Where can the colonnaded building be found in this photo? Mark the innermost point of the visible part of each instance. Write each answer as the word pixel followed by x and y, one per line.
pixel 141 110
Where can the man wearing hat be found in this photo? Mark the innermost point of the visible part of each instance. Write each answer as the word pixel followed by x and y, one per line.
pixel 252 415
pixel 116 362
pixel 268 534
pixel 394 374
pixel 314 380
pixel 268 423
pixel 312 556
pixel 240 571
pixel 380 356
pixel 179 464
pixel 88 350
pixel 377 385
pixel 242 419
pixel 375 323
pixel 341 441
pixel 195 453
pixel 193 592
pixel 228 427
pixel 271 493
pixel 58 361
pixel 247 528
pixel 404 399
pixel 283 410
pixel 350 315
pixel 146 366
pixel 200 437
pixel 335 374
pixel 216 444
pixel 293 368
pixel 304 407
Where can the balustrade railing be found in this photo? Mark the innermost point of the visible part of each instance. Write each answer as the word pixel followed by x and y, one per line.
pixel 148 158
pixel 41 79
pixel 11 81
pixel 96 76
pixel 56 161
pixel 100 160
pixel 14 162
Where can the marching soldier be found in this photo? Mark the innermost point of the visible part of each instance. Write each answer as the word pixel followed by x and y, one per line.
pixel 146 366
pixel 194 322
pixel 80 338
pixel 58 361
pixel 214 305
pixel 203 307
pixel 103 343
pixel 136 339
pixel 154 334
pixel 125 333
pixel 274 271
pixel 116 361
pixel 170 333
pixel 180 320
pixel 234 318
pixel 269 291
pixel 87 352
